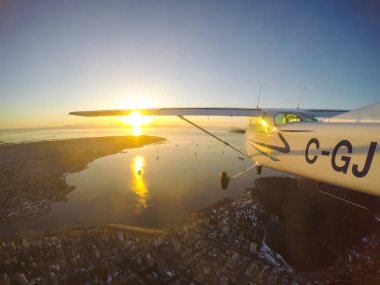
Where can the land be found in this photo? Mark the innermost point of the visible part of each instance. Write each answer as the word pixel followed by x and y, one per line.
pixel 281 234
pixel 222 244
pixel 32 174
pixel 304 212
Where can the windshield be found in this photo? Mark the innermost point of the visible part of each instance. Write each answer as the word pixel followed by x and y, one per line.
pixel 289 117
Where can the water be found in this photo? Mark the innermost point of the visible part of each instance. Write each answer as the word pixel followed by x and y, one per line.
pixel 153 186
pixel 160 185
pixel 30 135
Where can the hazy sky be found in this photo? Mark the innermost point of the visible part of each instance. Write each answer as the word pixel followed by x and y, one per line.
pixel 60 56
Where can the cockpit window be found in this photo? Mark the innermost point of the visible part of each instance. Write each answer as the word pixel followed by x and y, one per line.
pixel 285 118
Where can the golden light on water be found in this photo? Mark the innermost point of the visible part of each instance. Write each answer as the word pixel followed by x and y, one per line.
pixel 138 184
pixel 138 164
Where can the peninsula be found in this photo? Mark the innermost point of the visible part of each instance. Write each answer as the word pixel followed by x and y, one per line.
pixel 32 174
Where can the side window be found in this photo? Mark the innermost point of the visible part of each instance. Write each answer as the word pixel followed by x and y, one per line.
pixel 284 118
pixel 290 118
pixel 262 125
pixel 279 119
pixel 252 124
pixel 259 125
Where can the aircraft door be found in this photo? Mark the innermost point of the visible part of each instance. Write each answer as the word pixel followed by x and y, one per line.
pixel 256 137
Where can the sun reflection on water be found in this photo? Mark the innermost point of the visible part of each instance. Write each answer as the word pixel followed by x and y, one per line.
pixel 138 184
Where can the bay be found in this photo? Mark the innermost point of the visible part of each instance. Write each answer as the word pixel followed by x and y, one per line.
pixel 153 186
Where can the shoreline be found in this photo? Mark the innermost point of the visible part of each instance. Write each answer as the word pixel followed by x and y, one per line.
pixel 139 230
pixel 31 172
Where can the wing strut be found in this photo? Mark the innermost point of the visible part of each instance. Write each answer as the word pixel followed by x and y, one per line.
pixel 339 198
pixel 214 136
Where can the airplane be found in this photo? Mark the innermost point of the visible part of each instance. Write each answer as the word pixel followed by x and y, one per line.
pixel 340 148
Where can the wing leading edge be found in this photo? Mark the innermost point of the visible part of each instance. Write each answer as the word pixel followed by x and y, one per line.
pixel 326 113
pixel 230 112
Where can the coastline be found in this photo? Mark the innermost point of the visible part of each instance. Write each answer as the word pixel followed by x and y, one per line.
pixel 138 230
pixel 32 174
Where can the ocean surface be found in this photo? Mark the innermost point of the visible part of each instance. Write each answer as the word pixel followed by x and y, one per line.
pixel 153 186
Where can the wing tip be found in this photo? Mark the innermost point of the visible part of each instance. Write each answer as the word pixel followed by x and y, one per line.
pixel 75 113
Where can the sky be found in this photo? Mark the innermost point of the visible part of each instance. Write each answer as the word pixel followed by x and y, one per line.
pixel 62 56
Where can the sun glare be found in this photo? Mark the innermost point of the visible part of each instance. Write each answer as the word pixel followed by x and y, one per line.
pixel 136 121
pixel 136 131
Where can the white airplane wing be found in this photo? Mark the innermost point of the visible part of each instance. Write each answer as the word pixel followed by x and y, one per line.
pixel 326 113
pixel 180 112
pixel 366 114
pixel 230 112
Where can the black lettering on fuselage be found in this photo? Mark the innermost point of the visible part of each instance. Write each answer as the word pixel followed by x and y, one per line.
pixel 314 159
pixel 342 168
pixel 368 162
pixel 341 163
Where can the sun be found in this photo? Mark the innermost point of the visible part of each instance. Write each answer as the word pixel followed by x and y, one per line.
pixel 136 121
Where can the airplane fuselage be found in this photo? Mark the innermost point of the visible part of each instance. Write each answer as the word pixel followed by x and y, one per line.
pixel 343 154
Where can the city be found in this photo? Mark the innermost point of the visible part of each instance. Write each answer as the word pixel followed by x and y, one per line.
pixel 222 244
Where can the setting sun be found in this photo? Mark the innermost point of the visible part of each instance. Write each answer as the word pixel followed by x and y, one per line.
pixel 136 120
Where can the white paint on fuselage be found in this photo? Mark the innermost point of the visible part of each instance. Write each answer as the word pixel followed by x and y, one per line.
pixel 318 159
